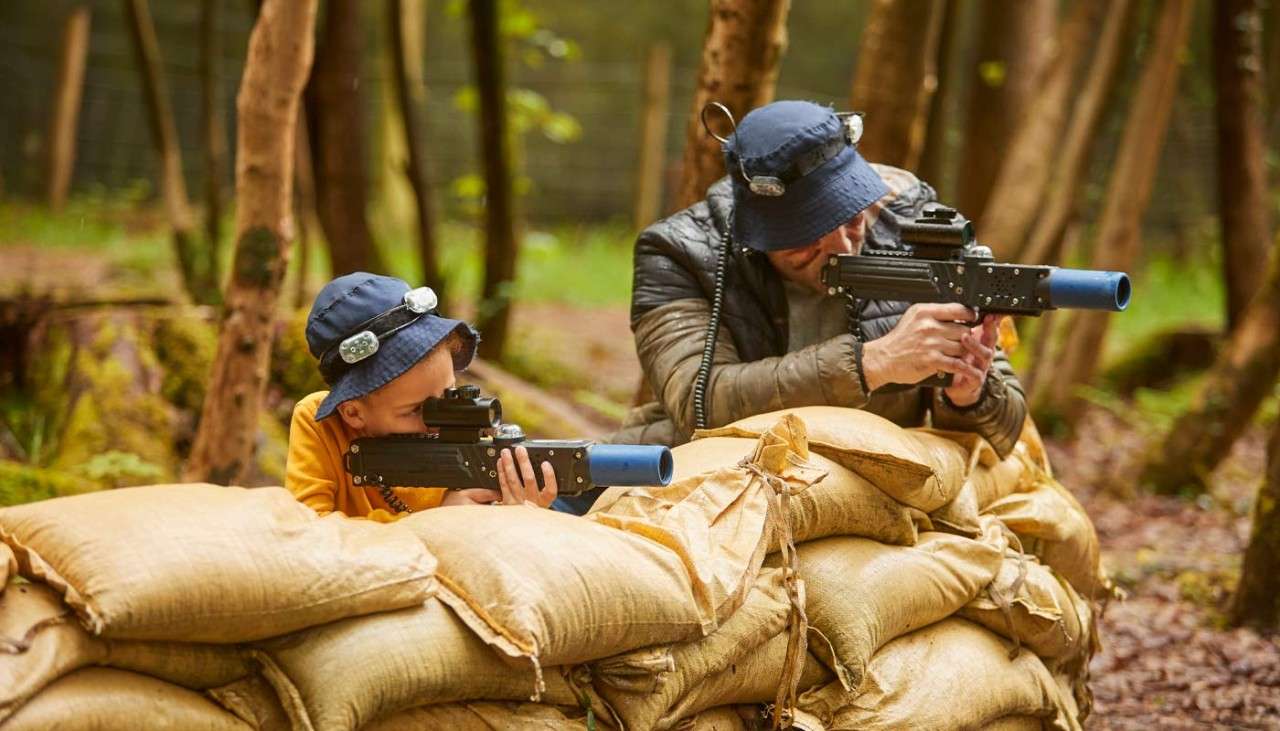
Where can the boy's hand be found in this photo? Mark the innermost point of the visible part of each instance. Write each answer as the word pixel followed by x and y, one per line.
pixel 471 496
pixel 519 482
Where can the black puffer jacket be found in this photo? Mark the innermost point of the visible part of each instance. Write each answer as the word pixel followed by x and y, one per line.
pixel 674 282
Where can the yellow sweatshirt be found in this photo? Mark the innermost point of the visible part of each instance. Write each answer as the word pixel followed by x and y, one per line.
pixel 316 477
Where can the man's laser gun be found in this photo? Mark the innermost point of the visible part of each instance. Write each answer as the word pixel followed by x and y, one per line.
pixel 471 436
pixel 942 263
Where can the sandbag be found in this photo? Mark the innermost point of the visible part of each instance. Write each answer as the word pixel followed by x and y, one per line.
pixel 862 594
pixel 752 679
pixel 644 684
pixel 1053 526
pixel 916 467
pixel 41 641
pixel 950 675
pixel 203 563
pixel 103 699
pixel 254 701
pixel 8 566
pixel 1015 723
pixel 556 588
pixel 1045 614
pixel 486 717
pixel 725 718
pixel 351 672
pixel 842 504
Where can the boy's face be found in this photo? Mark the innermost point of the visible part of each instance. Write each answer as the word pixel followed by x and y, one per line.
pixel 395 408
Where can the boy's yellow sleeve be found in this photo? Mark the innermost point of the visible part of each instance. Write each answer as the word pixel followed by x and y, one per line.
pixel 307 474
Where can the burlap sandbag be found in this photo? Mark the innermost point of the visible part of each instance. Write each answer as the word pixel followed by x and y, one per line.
pixel 479 716
pixel 347 674
pixel 725 718
pixel 842 504
pixel 40 641
pixel 203 563
pixel 1053 526
pixel 950 675
pixel 8 566
pixel 642 685
pixel 915 467
pixel 862 594
pixel 1029 603
pixel 254 701
pixel 103 699
pixel 1015 723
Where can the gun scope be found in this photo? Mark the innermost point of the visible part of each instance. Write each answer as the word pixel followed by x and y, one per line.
pixel 462 407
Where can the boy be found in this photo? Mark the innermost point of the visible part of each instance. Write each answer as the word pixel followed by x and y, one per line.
pixel 383 350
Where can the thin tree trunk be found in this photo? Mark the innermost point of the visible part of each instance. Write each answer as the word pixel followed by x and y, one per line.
pixel 164 135
pixel 741 51
pixel 1023 177
pixel 214 129
pixel 1129 192
pixel 1243 198
pixel 280 52
pixel 1272 71
pixel 1015 43
pixel 1244 374
pixel 304 201
pixel 653 135
pixel 936 155
pixel 501 244
pixel 335 117
pixel 66 104
pixel 895 78
pixel 406 59
pixel 1256 601
pixel 1044 246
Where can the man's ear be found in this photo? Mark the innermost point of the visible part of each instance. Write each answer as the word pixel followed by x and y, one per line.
pixel 352 414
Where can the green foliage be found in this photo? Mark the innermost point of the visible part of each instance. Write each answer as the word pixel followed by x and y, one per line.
pixel 186 347
pixel 292 367
pixel 20 483
pixel 119 469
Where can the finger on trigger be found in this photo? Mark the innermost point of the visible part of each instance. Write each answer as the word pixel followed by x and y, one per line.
pixel 551 488
pixel 508 479
pixel 527 476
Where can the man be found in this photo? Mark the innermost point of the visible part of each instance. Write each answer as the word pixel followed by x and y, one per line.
pixel 782 342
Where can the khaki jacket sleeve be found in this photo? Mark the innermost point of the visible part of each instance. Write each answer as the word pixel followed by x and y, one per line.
pixel 669 342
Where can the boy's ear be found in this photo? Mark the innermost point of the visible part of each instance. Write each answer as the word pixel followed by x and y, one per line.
pixel 352 413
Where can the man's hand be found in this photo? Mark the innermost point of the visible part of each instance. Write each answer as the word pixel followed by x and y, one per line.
pixel 980 349
pixel 471 496
pixel 522 486
pixel 929 339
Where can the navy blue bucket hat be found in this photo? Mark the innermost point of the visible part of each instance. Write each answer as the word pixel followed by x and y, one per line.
pixel 367 330
pixel 812 178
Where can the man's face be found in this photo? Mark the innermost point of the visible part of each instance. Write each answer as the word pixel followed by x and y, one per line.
pixel 395 408
pixel 803 264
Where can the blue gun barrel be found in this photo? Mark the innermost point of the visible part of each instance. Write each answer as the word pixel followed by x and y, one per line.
pixel 630 464
pixel 1086 289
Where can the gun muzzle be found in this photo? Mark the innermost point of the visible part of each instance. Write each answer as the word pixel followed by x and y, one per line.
pixel 1086 289
pixel 630 464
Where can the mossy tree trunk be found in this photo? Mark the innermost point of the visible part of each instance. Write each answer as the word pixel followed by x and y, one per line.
pixel 199 281
pixel 66 104
pixel 1128 193
pixel 1014 42
pixel 895 78
pixel 280 53
pixel 1243 199
pixel 1256 601
pixel 741 51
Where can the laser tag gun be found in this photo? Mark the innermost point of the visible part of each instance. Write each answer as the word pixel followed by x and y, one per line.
pixel 469 438
pixel 942 263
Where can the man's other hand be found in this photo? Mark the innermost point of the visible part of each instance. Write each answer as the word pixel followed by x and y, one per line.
pixel 929 339
pixel 980 349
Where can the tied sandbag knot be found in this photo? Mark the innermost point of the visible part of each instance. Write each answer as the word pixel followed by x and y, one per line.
pixel 798 623
pixel 1005 601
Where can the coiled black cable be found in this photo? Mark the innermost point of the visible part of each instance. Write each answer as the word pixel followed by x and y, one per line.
pixel 713 330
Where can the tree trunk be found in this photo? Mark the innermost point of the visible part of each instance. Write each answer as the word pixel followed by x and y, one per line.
pixel 304 207
pixel 1244 374
pixel 1023 176
pixel 653 135
pixel 1044 246
pixel 895 78
pixel 1014 47
pixel 1256 602
pixel 1272 71
pixel 280 52
pixel 215 131
pixel 335 117
pixel 935 158
pixel 66 105
pixel 1243 199
pixel 501 245
pixel 406 59
pixel 741 52
pixel 164 135
pixel 1129 191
